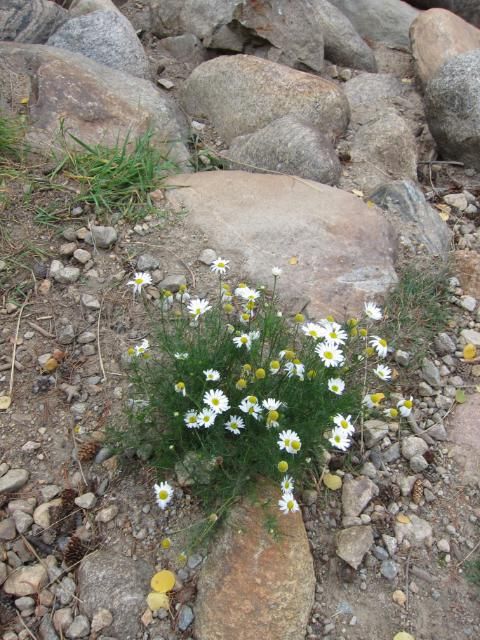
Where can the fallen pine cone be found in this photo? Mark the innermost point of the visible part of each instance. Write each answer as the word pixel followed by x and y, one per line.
pixel 74 551
pixel 88 451
pixel 417 491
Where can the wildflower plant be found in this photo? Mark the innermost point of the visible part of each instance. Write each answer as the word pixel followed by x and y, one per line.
pixel 234 385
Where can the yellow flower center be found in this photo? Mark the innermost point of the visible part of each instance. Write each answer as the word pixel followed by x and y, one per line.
pixel 382 342
pixel 313 333
pixel 260 374
pixel 408 404
pixel 163 494
pixel 377 397
pixel 274 364
pixel 192 419
pixel 290 505
pixel 289 355
pixel 363 332
pixel 221 265
pixel 344 424
pixel 252 399
pixel 206 419
pixel 273 415
pixel 286 442
pixel 241 383
pixel 228 308
pixel 215 402
pixel 328 355
pixel 138 280
pixel 244 339
pixel 282 466
pixel 245 316
pixel 250 305
pixel 337 439
pixel 295 445
pixel 333 335
pixel 334 387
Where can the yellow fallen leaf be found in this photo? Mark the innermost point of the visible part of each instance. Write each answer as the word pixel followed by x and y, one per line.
pixel 332 481
pixel 443 211
pixel 370 204
pixel 158 601
pixel 403 635
pixel 403 519
pixel 293 260
pixel 460 396
pixel 357 192
pixel 24 101
pixel 50 365
pixel 469 351
pixel 163 581
pixel 5 402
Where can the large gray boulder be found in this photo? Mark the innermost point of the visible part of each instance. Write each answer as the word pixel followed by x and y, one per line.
pixel 106 37
pixel 467 9
pixel 385 21
pixel 406 206
pixel 240 94
pixel 289 146
pixel 452 108
pixel 345 249
pixel 287 25
pixel 96 103
pixel 30 20
pixel 383 148
pixel 298 31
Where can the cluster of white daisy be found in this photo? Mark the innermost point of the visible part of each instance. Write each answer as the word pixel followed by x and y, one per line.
pixel 326 338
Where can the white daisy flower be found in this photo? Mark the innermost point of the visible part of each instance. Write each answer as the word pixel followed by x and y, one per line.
pixel 289 441
pixel 180 355
pixel 191 419
pixel 330 355
pixel 373 311
pixel 253 410
pixel 288 504
pixel 142 347
pixel 312 330
pixel 182 296
pixel 140 279
pixel 246 293
pixel 336 385
pixel 373 400
pixel 219 266
pixel 197 307
pixel 380 346
pixel 243 340
pixel 180 388
pixel 211 375
pixel 163 493
pixel 295 369
pixel 274 367
pixel 340 439
pixel 405 406
pixel 254 335
pixel 276 272
pixel 383 372
pixel 287 484
pixel 391 413
pixel 333 333
pixel 234 424
pixel 344 423
pixel 206 418
pixel 271 404
pixel 216 400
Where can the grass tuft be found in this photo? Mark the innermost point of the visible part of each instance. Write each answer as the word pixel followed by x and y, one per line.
pixel 11 136
pixel 417 308
pixel 116 180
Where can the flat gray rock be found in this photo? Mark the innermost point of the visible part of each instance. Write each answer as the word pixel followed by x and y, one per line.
pixel 106 37
pixel 30 21
pixel 385 21
pixel 353 543
pixel 405 203
pixel 288 146
pixel 452 108
pixel 110 581
pixel 241 94
pixel 345 250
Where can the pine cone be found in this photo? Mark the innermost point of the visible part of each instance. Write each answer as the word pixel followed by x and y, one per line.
pixel 74 551
pixel 61 514
pixel 88 451
pixel 417 491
